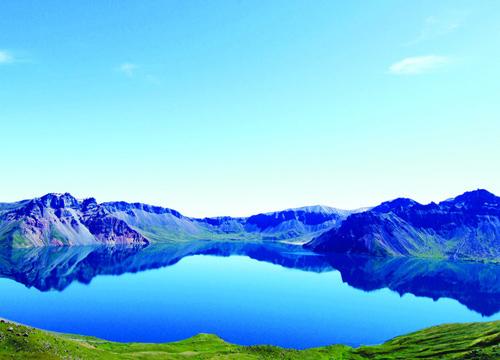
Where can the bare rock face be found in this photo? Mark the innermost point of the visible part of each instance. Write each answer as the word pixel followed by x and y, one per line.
pixel 61 219
pixel 58 201
pixel 109 229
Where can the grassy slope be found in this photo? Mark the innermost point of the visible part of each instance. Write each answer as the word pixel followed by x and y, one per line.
pixel 455 341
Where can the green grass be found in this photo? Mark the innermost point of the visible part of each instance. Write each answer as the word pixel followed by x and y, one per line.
pixel 55 234
pixel 10 235
pixel 453 341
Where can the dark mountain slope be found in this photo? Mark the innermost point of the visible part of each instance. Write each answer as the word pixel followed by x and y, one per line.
pixel 466 227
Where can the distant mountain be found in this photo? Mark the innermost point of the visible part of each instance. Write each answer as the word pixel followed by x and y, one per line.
pixel 61 219
pixel 465 227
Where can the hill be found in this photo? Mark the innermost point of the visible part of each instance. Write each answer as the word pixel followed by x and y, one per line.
pixel 453 341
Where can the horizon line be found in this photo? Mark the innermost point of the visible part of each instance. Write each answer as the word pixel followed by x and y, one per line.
pixel 357 209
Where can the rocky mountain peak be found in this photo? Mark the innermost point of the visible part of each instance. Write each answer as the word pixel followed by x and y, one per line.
pixel 58 201
pixel 399 204
pixel 478 200
pixel 89 204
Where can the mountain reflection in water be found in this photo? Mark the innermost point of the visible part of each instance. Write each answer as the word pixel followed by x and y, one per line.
pixel 474 285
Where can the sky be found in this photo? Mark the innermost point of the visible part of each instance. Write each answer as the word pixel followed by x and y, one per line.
pixel 240 107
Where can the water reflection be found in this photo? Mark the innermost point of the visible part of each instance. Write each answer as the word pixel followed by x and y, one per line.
pixel 475 285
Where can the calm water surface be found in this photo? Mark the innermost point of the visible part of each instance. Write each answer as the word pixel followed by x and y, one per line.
pixel 253 294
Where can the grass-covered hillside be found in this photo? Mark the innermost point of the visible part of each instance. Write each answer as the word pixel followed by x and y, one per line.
pixel 454 341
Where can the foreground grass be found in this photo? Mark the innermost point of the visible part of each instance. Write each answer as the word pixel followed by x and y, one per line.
pixel 454 341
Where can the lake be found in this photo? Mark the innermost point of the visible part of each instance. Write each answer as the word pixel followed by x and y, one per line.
pixel 247 293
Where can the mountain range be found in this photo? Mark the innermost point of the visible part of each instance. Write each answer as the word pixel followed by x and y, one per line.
pixel 464 227
pixel 61 219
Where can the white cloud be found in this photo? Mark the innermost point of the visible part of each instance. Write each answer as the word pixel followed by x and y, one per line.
pixel 437 26
pixel 6 57
pixel 128 69
pixel 418 64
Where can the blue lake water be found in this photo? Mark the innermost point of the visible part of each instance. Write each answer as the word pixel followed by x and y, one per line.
pixel 246 294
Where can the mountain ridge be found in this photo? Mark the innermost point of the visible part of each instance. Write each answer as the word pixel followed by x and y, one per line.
pixel 58 219
pixel 465 227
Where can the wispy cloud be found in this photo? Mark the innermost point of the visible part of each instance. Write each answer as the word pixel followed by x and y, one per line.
pixel 435 26
pixel 128 69
pixel 418 64
pixel 137 72
pixel 6 57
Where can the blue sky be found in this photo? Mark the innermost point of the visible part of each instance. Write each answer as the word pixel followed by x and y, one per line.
pixel 237 107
